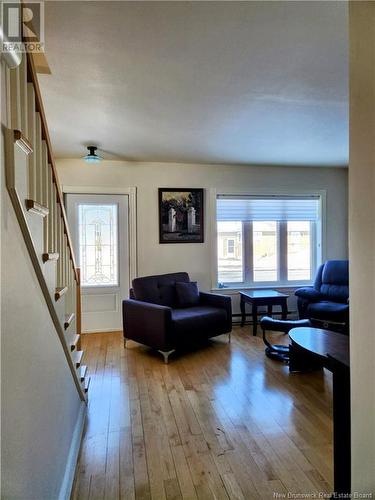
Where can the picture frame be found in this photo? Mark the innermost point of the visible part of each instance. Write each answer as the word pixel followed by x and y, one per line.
pixel 181 215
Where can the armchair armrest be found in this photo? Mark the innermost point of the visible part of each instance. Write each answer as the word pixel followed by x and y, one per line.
pixel 215 299
pixel 309 293
pixel 147 323
pixel 220 301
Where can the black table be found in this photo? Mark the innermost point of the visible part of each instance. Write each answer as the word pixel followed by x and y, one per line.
pixel 313 348
pixel 267 298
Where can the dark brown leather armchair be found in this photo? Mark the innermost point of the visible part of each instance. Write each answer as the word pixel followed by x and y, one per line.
pixel 152 316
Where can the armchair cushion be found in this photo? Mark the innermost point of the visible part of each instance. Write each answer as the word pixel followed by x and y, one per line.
pixel 329 311
pixel 197 319
pixel 167 295
pixel 335 280
pixel 336 293
pixel 336 271
pixel 187 294
pixel 158 289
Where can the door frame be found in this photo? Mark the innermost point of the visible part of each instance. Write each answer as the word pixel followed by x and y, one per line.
pixel 131 192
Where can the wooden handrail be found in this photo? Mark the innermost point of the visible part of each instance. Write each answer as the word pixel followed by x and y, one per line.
pixel 32 77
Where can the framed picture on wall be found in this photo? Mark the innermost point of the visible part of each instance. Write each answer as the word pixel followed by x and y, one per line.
pixel 181 215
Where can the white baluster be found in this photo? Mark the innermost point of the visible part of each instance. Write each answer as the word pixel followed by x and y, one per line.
pixel 63 249
pixel 38 159
pixel 15 99
pixel 59 268
pixel 23 96
pixel 7 98
pixel 66 275
pixel 31 125
pixel 68 309
pixel 74 293
pixel 45 192
pixel 55 218
pixel 51 206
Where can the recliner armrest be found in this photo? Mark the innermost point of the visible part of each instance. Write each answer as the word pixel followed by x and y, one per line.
pixel 147 323
pixel 309 293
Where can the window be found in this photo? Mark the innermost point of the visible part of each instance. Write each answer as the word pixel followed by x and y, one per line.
pixel 268 240
pixel 98 244
pixel 230 247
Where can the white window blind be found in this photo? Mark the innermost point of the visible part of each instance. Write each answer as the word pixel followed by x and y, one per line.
pixel 267 208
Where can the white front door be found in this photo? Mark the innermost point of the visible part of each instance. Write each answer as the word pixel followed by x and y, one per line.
pixel 99 226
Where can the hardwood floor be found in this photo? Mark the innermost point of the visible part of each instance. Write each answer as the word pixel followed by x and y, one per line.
pixel 221 422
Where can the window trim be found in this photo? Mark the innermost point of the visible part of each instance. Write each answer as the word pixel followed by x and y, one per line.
pixel 131 193
pixel 319 236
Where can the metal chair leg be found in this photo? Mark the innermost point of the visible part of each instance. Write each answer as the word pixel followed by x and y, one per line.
pixel 166 355
pixel 124 343
pixel 229 337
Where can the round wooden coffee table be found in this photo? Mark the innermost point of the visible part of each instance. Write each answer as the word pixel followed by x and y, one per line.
pixel 312 348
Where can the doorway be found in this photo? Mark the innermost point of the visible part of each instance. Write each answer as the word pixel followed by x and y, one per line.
pixel 99 225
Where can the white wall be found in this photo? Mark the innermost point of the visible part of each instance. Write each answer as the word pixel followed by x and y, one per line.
pixel 40 406
pixel 362 243
pixel 154 258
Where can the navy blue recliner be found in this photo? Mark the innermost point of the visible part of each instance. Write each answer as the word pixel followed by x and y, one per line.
pixel 326 304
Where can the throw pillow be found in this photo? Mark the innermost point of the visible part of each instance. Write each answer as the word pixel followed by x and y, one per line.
pixel 187 294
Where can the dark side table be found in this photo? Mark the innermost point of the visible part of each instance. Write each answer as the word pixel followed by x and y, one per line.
pixel 267 298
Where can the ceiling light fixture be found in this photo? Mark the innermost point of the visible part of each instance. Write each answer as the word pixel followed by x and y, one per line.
pixel 92 157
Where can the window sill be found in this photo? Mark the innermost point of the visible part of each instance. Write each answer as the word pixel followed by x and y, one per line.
pixel 95 287
pixel 232 290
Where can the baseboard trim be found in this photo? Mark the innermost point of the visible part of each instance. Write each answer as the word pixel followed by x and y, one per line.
pixel 101 330
pixel 67 483
pixel 236 318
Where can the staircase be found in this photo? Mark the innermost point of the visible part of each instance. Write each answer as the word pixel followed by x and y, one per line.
pixel 34 189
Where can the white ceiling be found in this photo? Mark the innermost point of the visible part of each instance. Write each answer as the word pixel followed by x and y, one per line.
pixel 218 82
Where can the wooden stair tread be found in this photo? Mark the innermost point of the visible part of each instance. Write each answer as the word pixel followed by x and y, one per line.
pixel 59 292
pixel 74 342
pixel 50 256
pixel 68 320
pixel 87 384
pixel 83 371
pixel 77 358
pixel 36 208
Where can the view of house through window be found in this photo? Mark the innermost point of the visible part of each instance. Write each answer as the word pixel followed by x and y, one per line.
pixel 230 263
pixel 267 240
